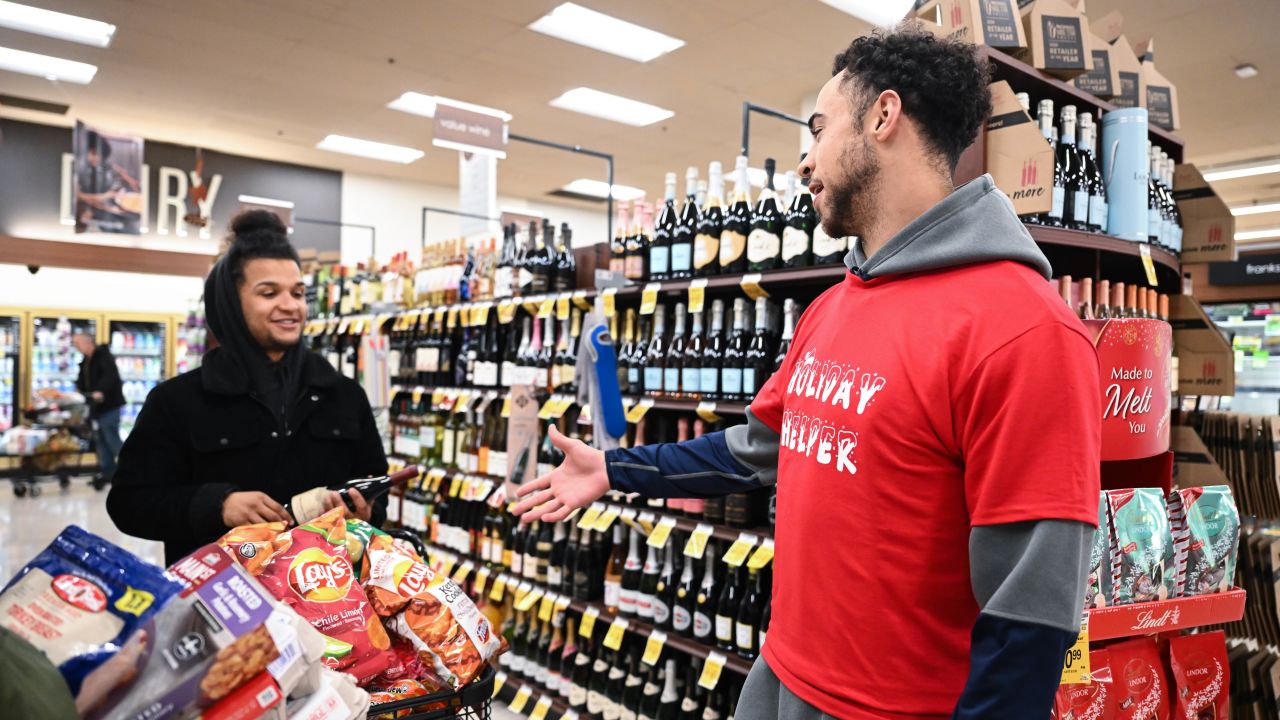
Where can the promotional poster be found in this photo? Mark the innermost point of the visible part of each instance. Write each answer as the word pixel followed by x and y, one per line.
pixel 108 189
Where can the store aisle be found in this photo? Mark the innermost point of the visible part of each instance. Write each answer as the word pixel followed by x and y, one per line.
pixel 31 523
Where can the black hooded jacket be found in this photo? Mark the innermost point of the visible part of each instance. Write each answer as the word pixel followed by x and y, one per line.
pixel 236 423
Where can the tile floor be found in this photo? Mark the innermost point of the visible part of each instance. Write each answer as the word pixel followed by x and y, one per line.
pixel 28 524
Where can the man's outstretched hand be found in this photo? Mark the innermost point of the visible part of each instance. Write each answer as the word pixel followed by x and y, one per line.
pixel 579 481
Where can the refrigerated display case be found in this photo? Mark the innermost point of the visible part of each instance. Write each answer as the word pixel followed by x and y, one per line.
pixel 54 360
pixel 10 367
pixel 1254 332
pixel 143 348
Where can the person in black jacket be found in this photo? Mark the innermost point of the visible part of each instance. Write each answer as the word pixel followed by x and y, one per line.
pixel 262 419
pixel 99 382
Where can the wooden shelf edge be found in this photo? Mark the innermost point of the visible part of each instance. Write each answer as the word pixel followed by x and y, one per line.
pixel 1096 241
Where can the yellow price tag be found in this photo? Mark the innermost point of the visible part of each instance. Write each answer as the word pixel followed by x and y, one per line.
pixel 548 407
pixel 649 298
pixel 507 311
pixel 463 571
pixel 135 602
pixel 482 581
pixel 737 552
pixel 580 299
pixel 711 670
pixel 540 708
pixel 662 532
pixel 589 517
pixel 499 589
pixel 707 411
pixel 530 306
pixel 343 325
pixel 498 681
pixel 562 406
pixel 331 326
pixel 440 313
pixel 545 306
pixel 697 295
pixel 697 545
pixel 437 397
pixel 605 521
pixel 506 406
pixel 750 285
pixel 530 598
pixel 521 699
pixel 455 486
pixel 638 410
pixel 546 608
pixel 1075 666
pixel 481 314
pixel 1148 264
pixel 417 394
pixel 645 523
pixel 607 300
pixel 617 629
pixel 628 518
pixel 589 617
pixel 447 566
pixel 562 603
pixel 653 647
pixel 762 556
pixel 435 475
pixel 562 307
pixel 453 318
pixel 461 403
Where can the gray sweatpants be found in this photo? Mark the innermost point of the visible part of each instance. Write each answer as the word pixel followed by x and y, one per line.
pixel 764 697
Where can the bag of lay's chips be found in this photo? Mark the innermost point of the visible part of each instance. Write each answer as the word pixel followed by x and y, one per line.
pixel 311 572
pixel 433 614
pixel 361 535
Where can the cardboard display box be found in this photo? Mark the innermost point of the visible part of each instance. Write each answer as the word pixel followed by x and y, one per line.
pixel 1058 38
pixel 1126 69
pixel 994 23
pixel 1208 227
pixel 1160 97
pixel 1018 158
pixel 1206 362
pixel 1104 79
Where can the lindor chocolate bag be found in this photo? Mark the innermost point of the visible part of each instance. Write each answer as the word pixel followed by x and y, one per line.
pixel 1098 593
pixel 1143 566
pixel 1206 529
pixel 1138 681
pixel 1095 701
pixel 1201 675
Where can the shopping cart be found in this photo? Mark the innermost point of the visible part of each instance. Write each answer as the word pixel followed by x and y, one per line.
pixel 57 433
pixel 472 702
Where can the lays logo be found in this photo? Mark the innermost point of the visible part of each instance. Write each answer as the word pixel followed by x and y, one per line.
pixel 317 576
pixel 410 578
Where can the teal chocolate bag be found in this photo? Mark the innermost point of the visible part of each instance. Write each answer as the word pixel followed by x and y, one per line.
pixel 1207 524
pixel 1143 566
pixel 1098 592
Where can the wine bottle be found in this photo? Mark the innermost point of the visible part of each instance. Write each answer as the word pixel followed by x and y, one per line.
pixel 308 505
pixel 613 572
pixel 633 688
pixel 685 229
pixel 706 253
pixel 555 559
pixel 1175 215
pixel 764 621
pixel 716 699
pixel 656 353
pixel 581 678
pixel 788 332
pixel 685 600
pixel 797 236
pixel 618 247
pixel 632 573
pixel 567 659
pixel 664 232
pixel 712 354
pixel 727 607
pixel 1155 204
pixel 555 676
pixel 764 246
pixel 1075 208
pixel 598 686
pixel 519 645
pixel 637 259
pixel 747 623
pixel 704 608
pixel 529 568
pixel 735 352
pixel 737 224
pixel 614 688
pixel 583 590
pixel 1093 174
pixel 669 702
pixel 635 362
pixel 542 670
pixel 651 696
pixel 674 361
pixel 758 362
pixel 691 702
pixel 566 264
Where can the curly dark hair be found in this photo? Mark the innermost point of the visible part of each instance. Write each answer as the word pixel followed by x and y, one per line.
pixel 258 234
pixel 942 83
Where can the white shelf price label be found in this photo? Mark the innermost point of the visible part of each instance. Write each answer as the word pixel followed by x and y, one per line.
pixel 737 553
pixel 588 624
pixel 711 670
pixel 661 532
pixel 697 545
pixel 653 647
pixel 617 629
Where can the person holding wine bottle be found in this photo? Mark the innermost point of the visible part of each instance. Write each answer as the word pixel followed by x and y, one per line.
pixel 935 508
pixel 262 420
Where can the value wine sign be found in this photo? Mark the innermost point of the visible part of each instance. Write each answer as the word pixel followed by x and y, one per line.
pixel 1135 366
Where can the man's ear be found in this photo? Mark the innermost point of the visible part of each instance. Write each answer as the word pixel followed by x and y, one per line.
pixel 888 114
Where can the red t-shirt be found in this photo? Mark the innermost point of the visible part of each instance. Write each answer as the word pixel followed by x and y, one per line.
pixel 912 408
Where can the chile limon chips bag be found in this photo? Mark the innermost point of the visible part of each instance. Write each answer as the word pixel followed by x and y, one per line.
pixel 432 613
pixel 309 569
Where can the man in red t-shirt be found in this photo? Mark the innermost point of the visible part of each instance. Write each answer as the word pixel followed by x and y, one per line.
pixel 934 431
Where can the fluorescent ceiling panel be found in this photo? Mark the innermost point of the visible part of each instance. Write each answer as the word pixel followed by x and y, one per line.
pixel 55 24
pixel 1242 170
pixel 586 27
pixel 369 149
pixel 1257 234
pixel 1256 209
pixel 611 107
pixel 884 13
pixel 46 66
pixel 600 189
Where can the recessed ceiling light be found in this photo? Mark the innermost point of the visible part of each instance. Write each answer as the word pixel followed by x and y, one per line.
pixel 55 24
pixel 425 105
pixel 611 107
pixel 884 13
pixel 600 189
pixel 598 31
pixel 1242 170
pixel 1246 71
pixel 1256 209
pixel 369 149
pixel 46 66
pixel 1257 234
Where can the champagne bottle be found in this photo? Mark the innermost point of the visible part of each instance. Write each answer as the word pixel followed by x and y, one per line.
pixel 655 354
pixel 633 688
pixel 632 572
pixel 731 385
pixel 788 332
pixel 664 232
pixel 691 703
pixel 669 701
pixel 691 372
pixel 651 696
pixel 618 247
pixel 686 227
pixel 583 574
pixel 614 688
pixel 637 259
pixel 613 572
pixel 747 624
pixel 649 579
pixel 664 593
pixel 764 246
pixel 797 236
pixel 737 224
pixel 713 354
pixel 704 608
pixel 685 600
pixel 727 607
pixel 306 506
pixel 580 682
pixel 758 362
pixel 674 362
pixel 566 264
pixel 555 561
pixel 706 254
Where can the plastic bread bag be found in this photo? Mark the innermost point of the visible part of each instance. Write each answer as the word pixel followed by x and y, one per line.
pixel 311 572
pixel 434 615
pixel 337 698
pixel 80 600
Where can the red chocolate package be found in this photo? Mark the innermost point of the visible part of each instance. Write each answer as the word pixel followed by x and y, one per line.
pixel 1201 676
pixel 1096 701
pixel 309 570
pixel 1138 680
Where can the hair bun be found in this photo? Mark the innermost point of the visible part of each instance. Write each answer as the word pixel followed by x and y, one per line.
pixel 252 224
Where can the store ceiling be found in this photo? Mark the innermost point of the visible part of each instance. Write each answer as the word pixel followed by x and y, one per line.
pixel 270 79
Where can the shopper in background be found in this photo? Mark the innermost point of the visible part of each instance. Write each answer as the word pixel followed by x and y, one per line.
pixel 934 431
pixel 261 420
pixel 99 382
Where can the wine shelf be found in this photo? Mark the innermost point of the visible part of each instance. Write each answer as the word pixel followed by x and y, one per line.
pixel 719 407
pixel 512 685
pixel 636 627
